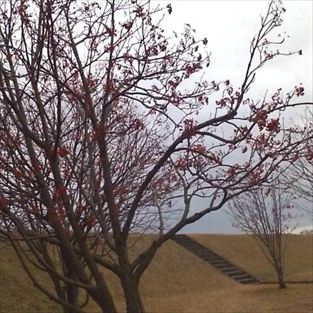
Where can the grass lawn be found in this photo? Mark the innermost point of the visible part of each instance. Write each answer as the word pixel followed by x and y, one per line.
pixel 177 281
pixel 243 251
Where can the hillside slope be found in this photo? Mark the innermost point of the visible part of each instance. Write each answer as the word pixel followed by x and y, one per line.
pixel 243 250
pixel 176 281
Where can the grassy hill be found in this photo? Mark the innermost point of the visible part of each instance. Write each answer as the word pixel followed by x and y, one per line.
pixel 243 251
pixel 178 281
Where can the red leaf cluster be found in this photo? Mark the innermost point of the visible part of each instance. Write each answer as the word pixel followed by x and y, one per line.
pixel 3 202
pixel 260 118
pixel 273 125
pixel 189 127
pixel 58 193
pixel 62 152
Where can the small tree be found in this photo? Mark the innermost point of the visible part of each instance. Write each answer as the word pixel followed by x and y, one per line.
pixel 300 173
pixel 104 132
pixel 265 213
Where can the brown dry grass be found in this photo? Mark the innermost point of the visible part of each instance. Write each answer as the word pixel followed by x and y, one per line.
pixel 178 281
pixel 243 251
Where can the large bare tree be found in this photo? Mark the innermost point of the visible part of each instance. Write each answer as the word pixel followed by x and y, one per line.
pixel 102 135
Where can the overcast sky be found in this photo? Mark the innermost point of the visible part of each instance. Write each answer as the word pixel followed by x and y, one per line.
pixel 229 27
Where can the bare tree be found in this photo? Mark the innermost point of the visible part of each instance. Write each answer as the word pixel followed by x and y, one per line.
pixel 300 173
pixel 100 137
pixel 265 213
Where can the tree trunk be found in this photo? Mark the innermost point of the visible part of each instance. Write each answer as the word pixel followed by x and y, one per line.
pixel 280 276
pixel 72 298
pixel 281 281
pixel 132 296
pixel 70 310
pixel 103 300
pixel 101 295
pixel 282 284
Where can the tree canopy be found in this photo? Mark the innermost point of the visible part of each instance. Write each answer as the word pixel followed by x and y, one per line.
pixel 101 135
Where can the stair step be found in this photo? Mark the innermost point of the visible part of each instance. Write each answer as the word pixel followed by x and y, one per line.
pixel 211 260
pixel 233 272
pixel 240 276
pixel 224 266
pixel 248 281
pixel 215 260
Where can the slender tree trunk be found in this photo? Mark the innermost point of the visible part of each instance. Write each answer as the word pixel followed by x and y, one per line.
pixel 72 298
pixel 103 300
pixel 69 292
pixel 134 303
pixel 70 295
pixel 70 310
pixel 282 284
pixel 129 281
pixel 281 281
pixel 280 275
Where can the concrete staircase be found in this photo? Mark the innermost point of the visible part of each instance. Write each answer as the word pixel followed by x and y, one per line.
pixel 221 264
